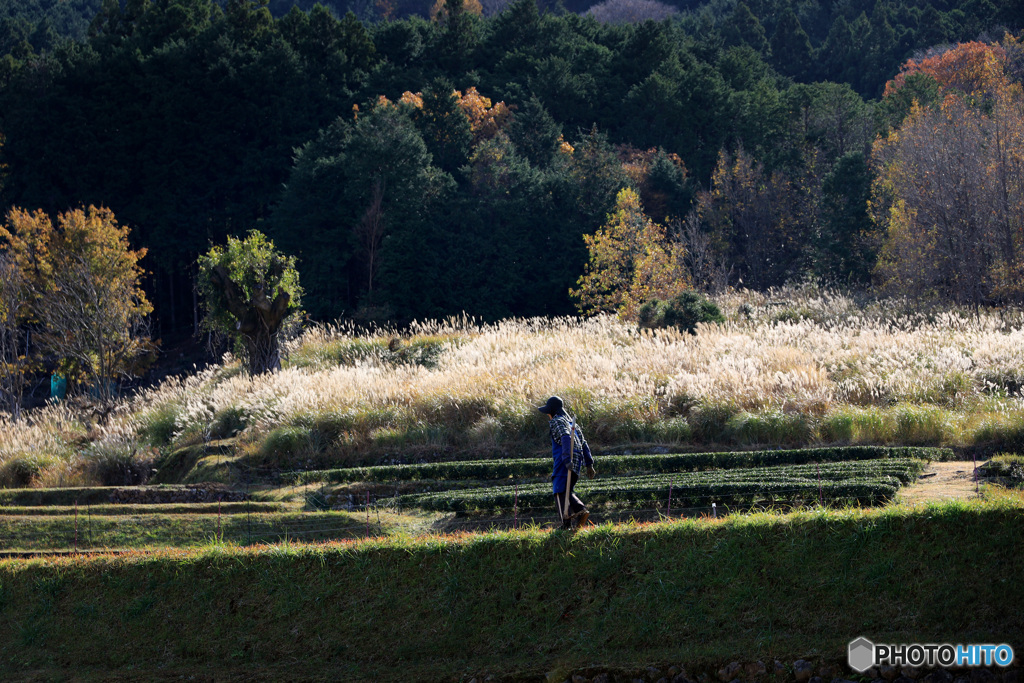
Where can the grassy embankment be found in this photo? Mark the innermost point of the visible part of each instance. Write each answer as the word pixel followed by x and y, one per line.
pixel 815 369
pixel 520 604
pixel 20 532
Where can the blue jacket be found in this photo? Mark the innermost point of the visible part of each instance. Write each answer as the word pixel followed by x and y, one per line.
pixel 560 441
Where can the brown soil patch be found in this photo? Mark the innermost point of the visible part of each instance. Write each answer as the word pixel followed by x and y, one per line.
pixel 942 481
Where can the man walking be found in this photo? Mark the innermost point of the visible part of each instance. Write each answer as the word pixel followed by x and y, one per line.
pixel 571 453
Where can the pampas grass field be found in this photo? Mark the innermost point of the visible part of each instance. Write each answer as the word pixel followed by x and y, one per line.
pixel 800 366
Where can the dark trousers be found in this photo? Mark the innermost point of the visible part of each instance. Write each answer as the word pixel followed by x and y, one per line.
pixel 575 504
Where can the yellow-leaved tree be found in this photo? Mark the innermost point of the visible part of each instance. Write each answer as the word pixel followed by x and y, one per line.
pixel 82 282
pixel 631 262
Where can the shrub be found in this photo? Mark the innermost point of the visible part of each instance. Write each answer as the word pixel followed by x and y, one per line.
pixel 519 422
pixel 157 426
pixel 1001 431
pixel 858 425
pixel 285 445
pixel 918 425
pixel 119 463
pixel 672 430
pixel 22 470
pixel 867 481
pixel 837 427
pixel 615 420
pixel 331 425
pixel 459 472
pixel 709 421
pixel 685 311
pixel 775 427
pixel 227 422
pixel 1005 466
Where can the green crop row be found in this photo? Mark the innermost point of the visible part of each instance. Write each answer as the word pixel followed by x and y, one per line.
pixel 858 481
pixel 614 464
pixel 903 469
pixel 860 491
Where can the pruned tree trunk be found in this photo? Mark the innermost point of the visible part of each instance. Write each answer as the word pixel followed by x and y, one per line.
pixel 259 321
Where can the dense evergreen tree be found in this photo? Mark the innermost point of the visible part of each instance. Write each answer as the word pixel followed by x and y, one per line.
pixel 535 133
pixel 791 47
pixel 745 29
pixel 444 127
pixel 846 243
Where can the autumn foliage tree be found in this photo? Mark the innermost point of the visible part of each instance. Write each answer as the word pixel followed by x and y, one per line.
pixel 631 262
pixel 974 69
pixel 14 356
pixel 949 189
pixel 755 218
pixel 440 11
pixel 82 280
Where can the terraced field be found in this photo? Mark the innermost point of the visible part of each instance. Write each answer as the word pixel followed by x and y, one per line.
pixel 688 482
pixel 380 501
pixel 92 519
pixel 855 482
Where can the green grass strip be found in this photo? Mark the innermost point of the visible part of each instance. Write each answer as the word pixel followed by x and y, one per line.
pixel 97 495
pixel 178 531
pixel 614 464
pixel 520 605
pixel 114 509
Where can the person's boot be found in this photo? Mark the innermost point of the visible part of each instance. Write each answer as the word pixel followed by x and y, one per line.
pixel 580 518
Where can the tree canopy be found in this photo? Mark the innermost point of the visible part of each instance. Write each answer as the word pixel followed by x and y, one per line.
pixel 423 167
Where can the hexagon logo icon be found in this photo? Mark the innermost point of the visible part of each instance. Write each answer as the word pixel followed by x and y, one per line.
pixel 861 654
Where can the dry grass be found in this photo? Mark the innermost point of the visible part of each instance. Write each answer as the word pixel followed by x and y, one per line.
pixel 788 367
pixel 943 481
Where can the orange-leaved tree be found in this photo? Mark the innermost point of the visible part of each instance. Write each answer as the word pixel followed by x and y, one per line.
pixel 949 187
pixel 631 262
pixel 15 360
pixel 974 69
pixel 485 117
pixel 24 270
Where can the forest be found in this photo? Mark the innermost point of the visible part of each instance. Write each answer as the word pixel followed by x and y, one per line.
pixel 424 161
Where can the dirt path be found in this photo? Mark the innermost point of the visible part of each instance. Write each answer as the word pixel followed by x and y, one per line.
pixel 942 481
